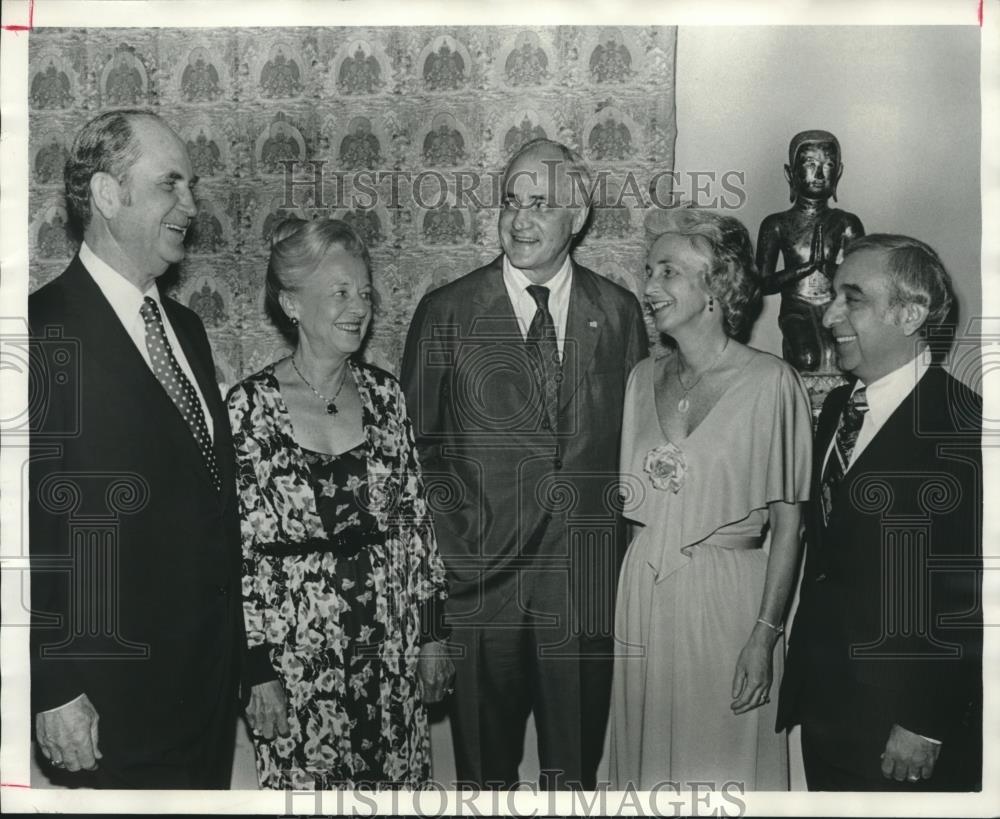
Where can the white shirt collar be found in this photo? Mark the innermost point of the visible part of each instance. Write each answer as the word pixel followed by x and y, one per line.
pixel 557 285
pixel 124 297
pixel 126 302
pixel 885 394
pixel 560 286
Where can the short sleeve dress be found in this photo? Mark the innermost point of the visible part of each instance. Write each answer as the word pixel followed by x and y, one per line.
pixel 693 577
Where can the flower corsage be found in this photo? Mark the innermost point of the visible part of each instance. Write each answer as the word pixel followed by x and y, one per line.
pixel 666 467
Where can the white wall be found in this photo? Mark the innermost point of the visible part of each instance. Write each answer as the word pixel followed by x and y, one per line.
pixel 903 101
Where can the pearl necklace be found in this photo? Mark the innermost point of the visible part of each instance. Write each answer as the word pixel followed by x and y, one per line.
pixel 684 404
pixel 331 407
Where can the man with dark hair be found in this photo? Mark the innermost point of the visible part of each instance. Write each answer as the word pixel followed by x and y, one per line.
pixel 515 377
pixel 884 668
pixel 137 623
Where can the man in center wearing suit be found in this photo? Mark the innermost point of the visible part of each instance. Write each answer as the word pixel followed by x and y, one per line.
pixel 515 376
pixel 884 664
pixel 135 543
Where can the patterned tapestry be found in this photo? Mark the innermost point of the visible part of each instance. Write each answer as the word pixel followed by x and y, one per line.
pixel 407 130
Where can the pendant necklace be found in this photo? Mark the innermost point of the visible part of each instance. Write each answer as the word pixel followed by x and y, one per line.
pixel 684 404
pixel 331 407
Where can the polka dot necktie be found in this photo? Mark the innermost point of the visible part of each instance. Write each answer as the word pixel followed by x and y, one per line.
pixel 840 456
pixel 177 385
pixel 541 339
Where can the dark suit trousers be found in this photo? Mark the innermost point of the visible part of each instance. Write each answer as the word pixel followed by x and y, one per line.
pixel 512 666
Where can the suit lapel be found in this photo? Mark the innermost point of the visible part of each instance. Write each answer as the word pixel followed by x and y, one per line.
pixel 827 427
pixel 204 374
pixel 829 417
pixel 896 442
pixel 888 446
pixel 99 323
pixel 494 314
pixel 584 327
pixel 103 336
pixel 493 317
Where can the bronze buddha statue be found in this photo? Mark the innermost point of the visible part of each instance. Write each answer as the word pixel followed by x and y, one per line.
pixel 811 238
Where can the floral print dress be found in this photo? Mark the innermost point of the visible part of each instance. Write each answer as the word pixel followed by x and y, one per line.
pixel 339 560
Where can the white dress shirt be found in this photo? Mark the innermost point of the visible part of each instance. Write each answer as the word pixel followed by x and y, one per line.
pixel 884 397
pixel 525 307
pixel 126 300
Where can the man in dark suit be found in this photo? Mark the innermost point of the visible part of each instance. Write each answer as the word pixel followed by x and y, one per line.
pixel 515 376
pixel 137 623
pixel 884 664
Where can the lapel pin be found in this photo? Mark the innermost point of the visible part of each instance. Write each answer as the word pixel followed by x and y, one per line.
pixel 592 323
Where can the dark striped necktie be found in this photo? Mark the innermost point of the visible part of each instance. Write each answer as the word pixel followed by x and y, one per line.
pixel 178 387
pixel 844 440
pixel 541 339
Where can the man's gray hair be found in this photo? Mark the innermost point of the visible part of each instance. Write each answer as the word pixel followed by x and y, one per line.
pixel 106 144
pixel 576 167
pixel 916 273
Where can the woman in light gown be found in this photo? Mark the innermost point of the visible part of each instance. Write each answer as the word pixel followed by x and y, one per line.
pixel 716 453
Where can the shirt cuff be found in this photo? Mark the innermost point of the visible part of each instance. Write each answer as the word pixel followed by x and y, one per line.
pixel 257 668
pixel 929 739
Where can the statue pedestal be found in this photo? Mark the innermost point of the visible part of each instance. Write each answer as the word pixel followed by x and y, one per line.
pixel 818 385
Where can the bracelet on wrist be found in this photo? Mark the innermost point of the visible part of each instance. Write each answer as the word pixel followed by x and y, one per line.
pixel 779 629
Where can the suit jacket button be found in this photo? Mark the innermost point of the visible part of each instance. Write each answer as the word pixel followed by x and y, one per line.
pixel 545 423
pixel 821 577
pixel 557 463
pixel 223 591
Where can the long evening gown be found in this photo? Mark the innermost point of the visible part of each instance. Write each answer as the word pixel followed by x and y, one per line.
pixel 692 580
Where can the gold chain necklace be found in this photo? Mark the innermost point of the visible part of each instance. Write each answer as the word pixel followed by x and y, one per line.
pixel 331 407
pixel 684 404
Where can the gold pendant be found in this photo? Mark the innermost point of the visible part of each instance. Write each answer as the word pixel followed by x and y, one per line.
pixel 683 405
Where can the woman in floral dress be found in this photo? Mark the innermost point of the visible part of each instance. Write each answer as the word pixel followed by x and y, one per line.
pixel 716 449
pixel 340 566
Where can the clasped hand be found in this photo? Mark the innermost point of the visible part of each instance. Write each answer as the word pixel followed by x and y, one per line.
pixel 435 671
pixel 908 756
pixel 267 711
pixel 68 735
